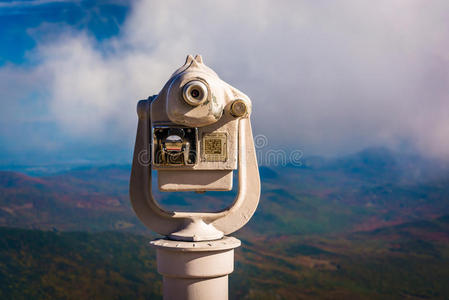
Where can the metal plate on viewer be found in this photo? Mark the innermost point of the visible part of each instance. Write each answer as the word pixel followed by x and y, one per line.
pixel 214 147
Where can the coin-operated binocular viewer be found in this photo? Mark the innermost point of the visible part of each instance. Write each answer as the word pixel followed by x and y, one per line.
pixel 195 133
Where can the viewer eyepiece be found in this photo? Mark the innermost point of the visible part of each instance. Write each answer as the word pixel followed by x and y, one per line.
pixel 194 92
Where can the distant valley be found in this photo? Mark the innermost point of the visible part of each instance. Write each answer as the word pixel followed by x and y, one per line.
pixel 365 191
pixel 373 225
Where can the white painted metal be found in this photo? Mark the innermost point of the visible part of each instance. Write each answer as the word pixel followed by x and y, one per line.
pixel 168 106
pixel 197 259
pixel 195 270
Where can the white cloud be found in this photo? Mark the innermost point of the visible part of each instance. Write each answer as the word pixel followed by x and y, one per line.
pixel 335 75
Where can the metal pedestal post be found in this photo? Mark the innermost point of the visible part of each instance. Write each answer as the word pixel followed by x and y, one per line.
pixel 195 270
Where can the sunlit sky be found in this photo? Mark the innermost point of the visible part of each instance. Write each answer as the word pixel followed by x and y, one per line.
pixel 326 77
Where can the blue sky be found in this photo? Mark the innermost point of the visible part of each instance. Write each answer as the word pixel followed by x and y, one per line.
pixel 25 24
pixel 102 19
pixel 325 77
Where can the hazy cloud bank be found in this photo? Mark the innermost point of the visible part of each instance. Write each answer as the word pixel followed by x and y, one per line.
pixel 328 77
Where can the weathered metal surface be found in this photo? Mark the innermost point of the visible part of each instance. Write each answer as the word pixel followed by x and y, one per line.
pixel 196 270
pixel 218 128
pixel 195 132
